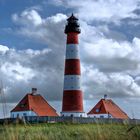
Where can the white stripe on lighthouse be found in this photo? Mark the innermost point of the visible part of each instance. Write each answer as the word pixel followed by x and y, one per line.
pixel 72 51
pixel 72 82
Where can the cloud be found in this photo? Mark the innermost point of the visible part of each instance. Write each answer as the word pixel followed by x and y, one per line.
pixel 96 84
pixel 109 10
pixel 32 25
pixel 3 49
pixel 37 68
pixel 110 55
pixel 109 65
pixel 28 18
pixel 17 71
pixel 23 69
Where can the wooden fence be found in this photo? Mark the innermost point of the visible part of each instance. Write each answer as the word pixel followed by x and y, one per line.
pixel 48 119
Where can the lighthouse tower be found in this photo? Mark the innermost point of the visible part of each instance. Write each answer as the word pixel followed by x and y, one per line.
pixel 72 95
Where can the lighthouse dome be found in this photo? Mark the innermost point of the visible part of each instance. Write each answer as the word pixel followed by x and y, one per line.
pixel 72 25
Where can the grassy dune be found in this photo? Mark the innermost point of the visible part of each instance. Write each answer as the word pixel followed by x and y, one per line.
pixel 70 132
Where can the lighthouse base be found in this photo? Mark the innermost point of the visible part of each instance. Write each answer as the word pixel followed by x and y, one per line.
pixel 73 114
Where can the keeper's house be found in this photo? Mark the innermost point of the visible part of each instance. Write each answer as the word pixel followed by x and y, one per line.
pixel 33 104
pixel 106 108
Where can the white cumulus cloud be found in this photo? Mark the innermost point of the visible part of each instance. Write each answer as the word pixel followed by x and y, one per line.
pixel 3 49
pixel 109 66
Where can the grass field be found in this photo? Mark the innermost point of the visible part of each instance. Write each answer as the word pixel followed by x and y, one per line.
pixel 70 132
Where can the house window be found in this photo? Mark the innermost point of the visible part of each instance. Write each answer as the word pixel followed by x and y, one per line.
pixel 22 105
pixel 71 115
pixel 97 110
pixel 109 116
pixel 101 116
pixel 24 114
pixel 17 115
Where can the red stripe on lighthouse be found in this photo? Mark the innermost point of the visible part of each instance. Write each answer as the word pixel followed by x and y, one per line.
pixel 72 67
pixel 73 101
pixel 72 38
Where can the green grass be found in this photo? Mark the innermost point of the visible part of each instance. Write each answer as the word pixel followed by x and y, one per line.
pixel 70 132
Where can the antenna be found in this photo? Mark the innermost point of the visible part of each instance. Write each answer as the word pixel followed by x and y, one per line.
pixel 133 115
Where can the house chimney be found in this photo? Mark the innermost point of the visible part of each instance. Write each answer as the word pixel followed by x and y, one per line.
pixel 105 96
pixel 34 90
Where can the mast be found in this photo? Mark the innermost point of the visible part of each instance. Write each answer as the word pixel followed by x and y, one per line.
pixel 3 100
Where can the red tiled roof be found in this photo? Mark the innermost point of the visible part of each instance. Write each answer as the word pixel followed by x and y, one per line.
pixel 107 106
pixel 37 104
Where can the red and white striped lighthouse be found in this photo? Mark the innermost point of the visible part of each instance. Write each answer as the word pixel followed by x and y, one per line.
pixel 72 94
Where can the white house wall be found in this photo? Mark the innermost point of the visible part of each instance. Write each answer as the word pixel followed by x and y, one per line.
pixel 20 114
pixel 74 114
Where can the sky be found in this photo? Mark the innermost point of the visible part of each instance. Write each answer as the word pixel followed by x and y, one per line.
pixel 32 50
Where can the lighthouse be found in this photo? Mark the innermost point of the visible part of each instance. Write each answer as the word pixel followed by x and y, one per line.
pixel 72 94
